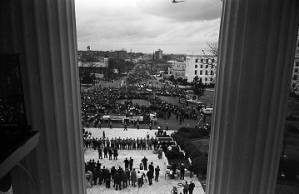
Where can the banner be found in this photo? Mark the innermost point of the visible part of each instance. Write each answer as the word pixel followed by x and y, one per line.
pixel 122 117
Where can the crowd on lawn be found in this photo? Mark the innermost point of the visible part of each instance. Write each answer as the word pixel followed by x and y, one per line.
pixel 106 101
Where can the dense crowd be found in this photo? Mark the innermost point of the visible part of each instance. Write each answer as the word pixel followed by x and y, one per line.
pixel 107 102
pixel 122 177
pixel 110 146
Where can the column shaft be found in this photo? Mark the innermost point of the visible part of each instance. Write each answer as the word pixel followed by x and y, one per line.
pixel 47 46
pixel 257 44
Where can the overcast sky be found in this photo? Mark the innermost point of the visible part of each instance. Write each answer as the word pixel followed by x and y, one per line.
pixel 147 25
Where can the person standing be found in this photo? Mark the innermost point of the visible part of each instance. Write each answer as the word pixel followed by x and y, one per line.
pixel 108 178
pixel 131 163
pixel 182 171
pixel 115 153
pixel 100 152
pixel 144 161
pixel 117 181
pixel 157 171
pixel 110 153
pixel 128 175
pixel 105 152
pixel 133 177
pixel 125 126
pixel 139 179
pixel 191 187
pixel 186 188
pixel 150 175
pixel 124 179
pixel 126 161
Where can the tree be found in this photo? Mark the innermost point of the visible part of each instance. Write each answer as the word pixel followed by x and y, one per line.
pixel 197 86
pixel 179 80
pixel 200 165
pixel 213 48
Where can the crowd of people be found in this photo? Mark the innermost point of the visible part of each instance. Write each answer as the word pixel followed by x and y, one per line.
pixel 107 102
pixel 110 146
pixel 122 177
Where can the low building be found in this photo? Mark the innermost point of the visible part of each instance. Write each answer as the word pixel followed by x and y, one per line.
pixel 98 67
pixel 203 66
pixel 177 69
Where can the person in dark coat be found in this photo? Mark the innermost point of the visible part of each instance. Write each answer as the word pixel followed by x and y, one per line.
pixel 108 178
pixel 124 179
pixel 100 153
pixel 105 152
pixel 151 167
pixel 144 161
pixel 157 171
pixel 113 172
pixel 115 154
pixel 191 187
pixel 182 171
pixel 117 181
pixel 131 163
pixel 150 176
pixel 126 161
pixel 110 153
pixel 97 172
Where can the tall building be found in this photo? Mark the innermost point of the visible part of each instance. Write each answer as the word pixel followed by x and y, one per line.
pixel 203 66
pixel 158 54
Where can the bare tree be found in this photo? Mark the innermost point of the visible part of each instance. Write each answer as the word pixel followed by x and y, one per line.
pixel 213 48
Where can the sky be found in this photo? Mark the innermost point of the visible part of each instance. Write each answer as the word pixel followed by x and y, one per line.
pixel 147 25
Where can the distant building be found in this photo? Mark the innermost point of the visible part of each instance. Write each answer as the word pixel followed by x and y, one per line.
pixel 203 66
pixel 177 69
pixel 158 54
pixel 295 73
pixel 122 54
pixel 90 61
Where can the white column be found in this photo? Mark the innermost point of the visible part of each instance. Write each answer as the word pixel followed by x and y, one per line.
pixel 47 44
pixel 257 44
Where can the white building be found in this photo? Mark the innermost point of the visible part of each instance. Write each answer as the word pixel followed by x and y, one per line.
pixel 177 69
pixel 203 66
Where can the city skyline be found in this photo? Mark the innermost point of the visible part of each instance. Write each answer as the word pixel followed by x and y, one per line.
pixel 147 25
